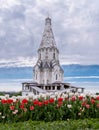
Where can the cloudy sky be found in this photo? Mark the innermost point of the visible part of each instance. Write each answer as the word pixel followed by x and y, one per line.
pixel 75 25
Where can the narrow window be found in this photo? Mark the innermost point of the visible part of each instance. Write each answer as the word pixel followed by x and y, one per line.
pixel 54 55
pixel 56 76
pixel 36 76
pixel 47 81
pixel 40 55
pixel 43 81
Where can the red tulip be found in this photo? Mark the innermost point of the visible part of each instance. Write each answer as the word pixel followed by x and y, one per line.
pixel 24 101
pixel 80 97
pixel 87 106
pixel 60 99
pixel 35 102
pixel 9 101
pixel 97 97
pixel 73 98
pixel 83 104
pixel 40 104
pixel 12 107
pixel 31 108
pixel 3 101
pixel 22 106
pixel 51 100
pixel 46 102
pixel 92 101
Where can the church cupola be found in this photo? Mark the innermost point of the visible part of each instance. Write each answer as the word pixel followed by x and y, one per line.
pixel 48 21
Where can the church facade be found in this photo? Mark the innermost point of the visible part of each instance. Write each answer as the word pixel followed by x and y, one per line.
pixel 48 74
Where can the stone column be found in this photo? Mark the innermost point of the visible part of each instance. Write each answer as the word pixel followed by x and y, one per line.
pixel 82 90
pixel 22 86
pixel 55 87
pixel 76 89
pixel 44 87
pixel 51 87
pixel 36 93
pixel 62 87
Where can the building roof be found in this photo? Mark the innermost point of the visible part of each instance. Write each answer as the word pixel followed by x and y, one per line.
pixel 48 37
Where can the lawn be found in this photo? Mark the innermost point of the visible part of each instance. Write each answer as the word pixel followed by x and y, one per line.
pixel 86 124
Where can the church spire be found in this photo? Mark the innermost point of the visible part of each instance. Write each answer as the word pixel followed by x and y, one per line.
pixel 48 37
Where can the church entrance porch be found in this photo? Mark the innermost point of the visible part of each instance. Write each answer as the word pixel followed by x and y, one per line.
pixel 34 88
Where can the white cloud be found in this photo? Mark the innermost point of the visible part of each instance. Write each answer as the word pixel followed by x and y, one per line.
pixel 75 26
pixel 19 62
pixel 8 3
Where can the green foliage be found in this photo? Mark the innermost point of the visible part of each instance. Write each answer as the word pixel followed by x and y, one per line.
pixel 86 124
pixel 2 94
pixel 11 93
pixel 16 94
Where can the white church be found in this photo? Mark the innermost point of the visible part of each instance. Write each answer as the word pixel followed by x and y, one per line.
pixel 48 74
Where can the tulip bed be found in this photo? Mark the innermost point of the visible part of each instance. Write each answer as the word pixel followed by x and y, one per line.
pixel 49 107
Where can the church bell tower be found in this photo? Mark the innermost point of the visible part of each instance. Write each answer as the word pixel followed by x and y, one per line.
pixel 47 69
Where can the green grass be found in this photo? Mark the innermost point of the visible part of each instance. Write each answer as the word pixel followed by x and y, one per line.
pixel 86 124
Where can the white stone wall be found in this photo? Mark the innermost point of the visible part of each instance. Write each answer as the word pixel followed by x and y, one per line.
pixel 45 76
pixel 48 53
pixel 57 74
pixel 37 74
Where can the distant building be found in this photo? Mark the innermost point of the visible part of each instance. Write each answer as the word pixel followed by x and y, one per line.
pixel 48 74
